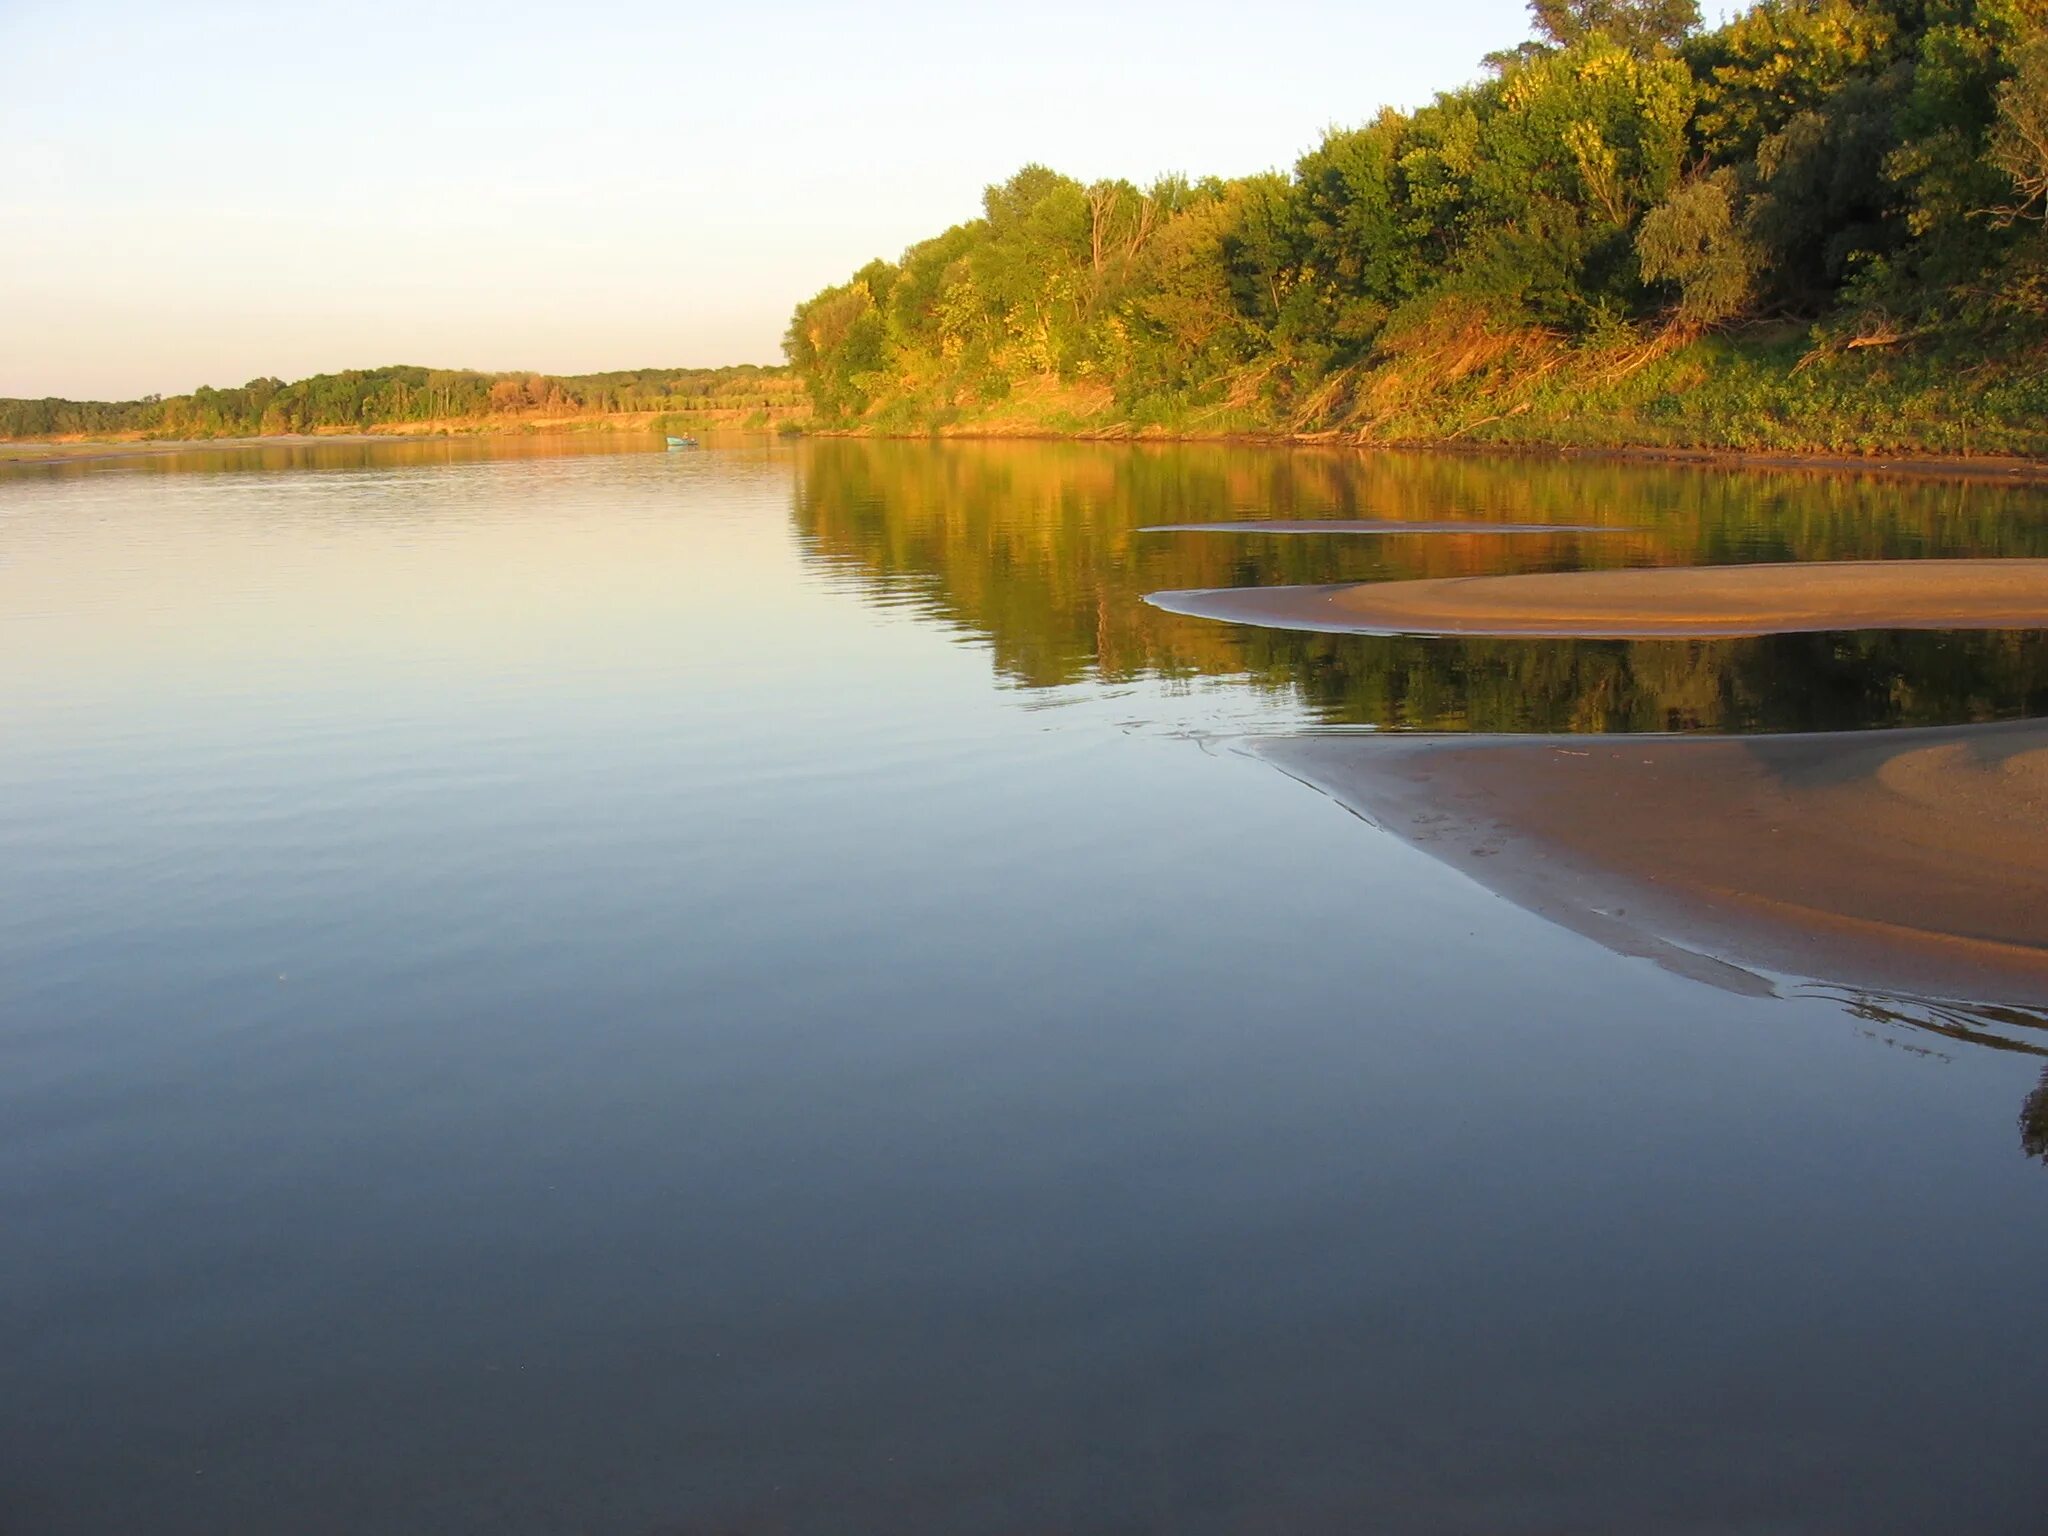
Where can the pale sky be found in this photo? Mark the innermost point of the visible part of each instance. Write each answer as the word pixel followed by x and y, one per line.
pixel 200 193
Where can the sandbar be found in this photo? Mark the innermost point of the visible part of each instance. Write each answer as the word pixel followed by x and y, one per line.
pixel 1911 861
pixel 1672 602
pixel 1379 526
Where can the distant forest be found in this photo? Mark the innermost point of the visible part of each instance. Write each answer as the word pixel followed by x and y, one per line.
pixel 386 396
pixel 1819 223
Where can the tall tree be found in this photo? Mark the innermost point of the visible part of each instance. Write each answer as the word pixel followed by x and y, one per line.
pixel 1641 26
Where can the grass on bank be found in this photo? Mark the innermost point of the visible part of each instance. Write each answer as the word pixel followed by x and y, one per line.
pixel 1461 380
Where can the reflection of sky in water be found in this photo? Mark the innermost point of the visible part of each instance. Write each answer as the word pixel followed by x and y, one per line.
pixel 521 975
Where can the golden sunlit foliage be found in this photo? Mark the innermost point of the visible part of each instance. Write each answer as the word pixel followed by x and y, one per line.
pixel 1813 177
pixel 376 397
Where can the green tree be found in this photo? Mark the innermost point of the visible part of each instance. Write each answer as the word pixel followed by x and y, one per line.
pixel 1641 26
pixel 1695 241
pixel 2019 143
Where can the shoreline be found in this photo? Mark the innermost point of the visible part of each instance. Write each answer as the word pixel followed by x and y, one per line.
pixel 2001 470
pixel 86 450
pixel 2004 469
pixel 1370 527
pixel 1907 862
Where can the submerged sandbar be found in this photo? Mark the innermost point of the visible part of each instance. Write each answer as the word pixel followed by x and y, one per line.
pixel 1353 526
pixel 1914 859
pixel 1675 602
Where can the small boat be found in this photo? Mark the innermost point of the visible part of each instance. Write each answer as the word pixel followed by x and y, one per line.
pixel 682 442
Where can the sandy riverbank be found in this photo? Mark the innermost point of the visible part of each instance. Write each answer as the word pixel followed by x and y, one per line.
pixel 1677 602
pixel 1912 860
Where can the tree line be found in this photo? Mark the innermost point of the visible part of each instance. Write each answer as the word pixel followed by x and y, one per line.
pixel 384 396
pixel 1871 173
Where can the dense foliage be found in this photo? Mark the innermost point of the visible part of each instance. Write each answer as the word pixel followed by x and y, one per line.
pixel 1869 177
pixel 387 396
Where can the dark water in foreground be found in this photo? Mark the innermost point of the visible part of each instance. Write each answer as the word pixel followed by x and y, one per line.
pixel 551 991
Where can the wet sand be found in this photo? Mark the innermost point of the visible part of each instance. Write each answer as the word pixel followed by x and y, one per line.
pixel 1675 602
pixel 1382 526
pixel 1910 860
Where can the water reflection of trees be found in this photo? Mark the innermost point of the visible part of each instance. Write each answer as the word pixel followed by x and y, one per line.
pixel 1996 1026
pixel 2034 1121
pixel 1035 546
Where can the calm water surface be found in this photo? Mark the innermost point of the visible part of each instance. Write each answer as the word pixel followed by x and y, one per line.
pixel 546 990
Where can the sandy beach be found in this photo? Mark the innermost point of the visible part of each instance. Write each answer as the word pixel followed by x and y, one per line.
pixel 1910 860
pixel 1673 602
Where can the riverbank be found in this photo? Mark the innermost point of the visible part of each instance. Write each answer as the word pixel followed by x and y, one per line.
pixel 1941 466
pixel 648 425
pixel 82 450
pixel 406 398
pixel 1923 466
pixel 1766 397
pixel 1910 860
